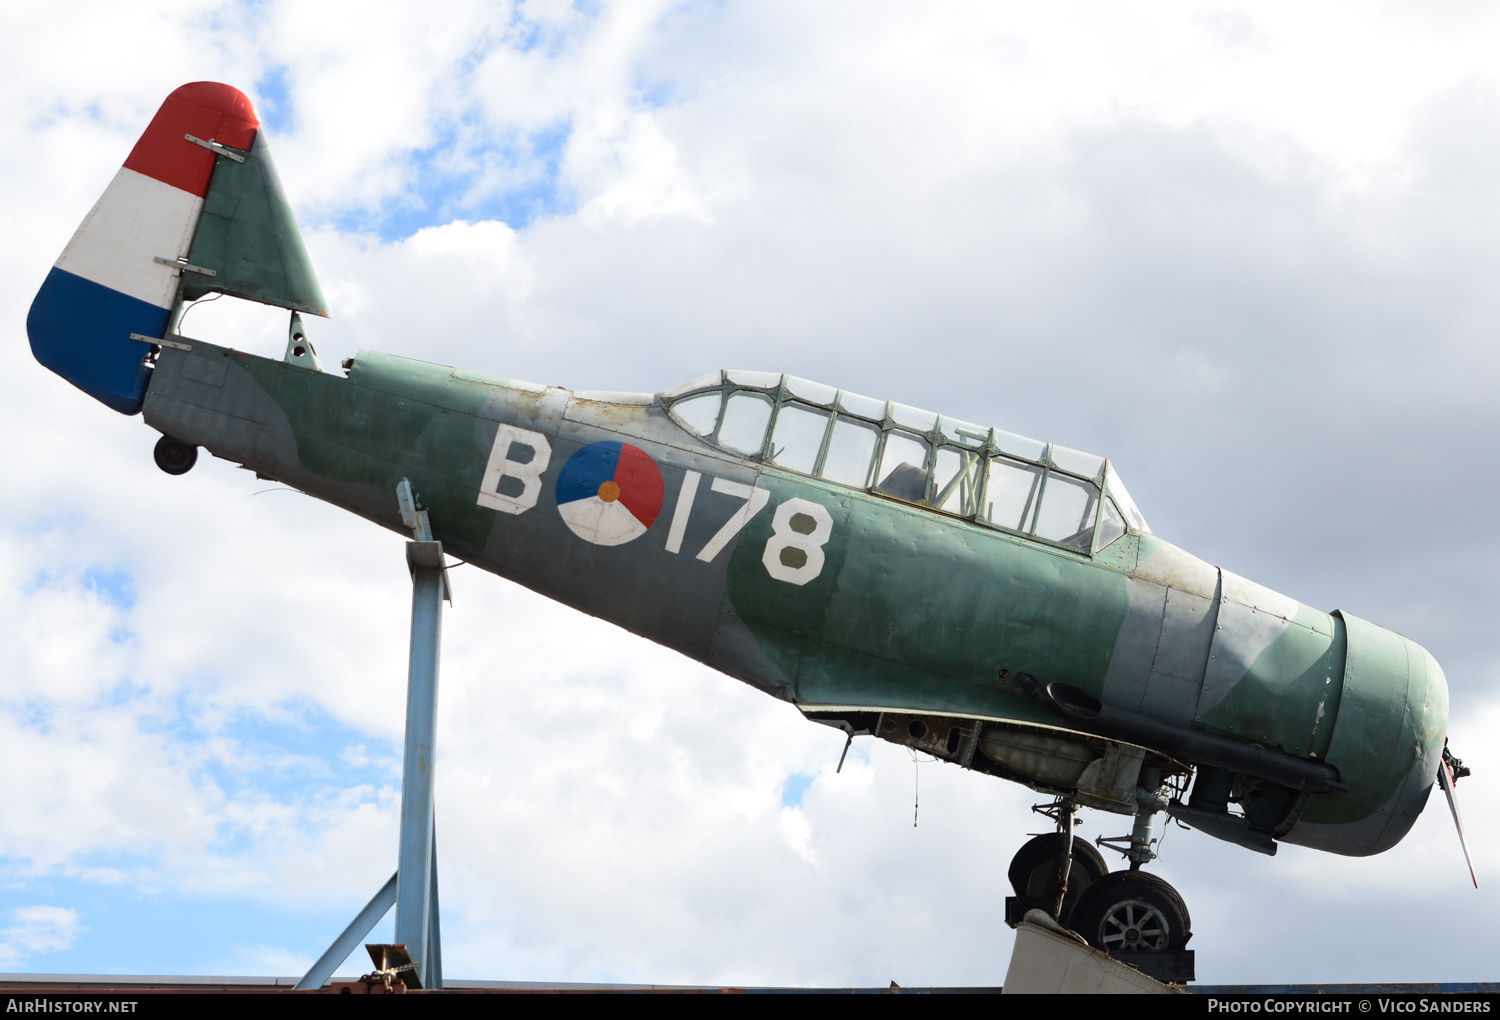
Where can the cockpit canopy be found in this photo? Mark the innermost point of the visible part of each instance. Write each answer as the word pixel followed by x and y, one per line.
pixel 1020 485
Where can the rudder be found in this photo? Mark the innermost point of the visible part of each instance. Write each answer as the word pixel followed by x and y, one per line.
pixel 136 256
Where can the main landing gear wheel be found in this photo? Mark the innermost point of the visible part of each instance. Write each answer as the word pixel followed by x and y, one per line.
pixel 174 456
pixel 1133 910
pixel 1033 871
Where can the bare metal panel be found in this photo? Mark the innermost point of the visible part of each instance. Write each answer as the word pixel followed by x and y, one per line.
pixel 1135 646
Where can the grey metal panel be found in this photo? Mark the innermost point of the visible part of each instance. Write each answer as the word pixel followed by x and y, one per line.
pixel 1170 682
pixel 1187 630
pixel 1135 646
pixel 1170 699
pixel 1177 568
pixel 187 376
pixel 202 398
pixel 210 371
pixel 735 651
pixel 275 452
pixel 1251 618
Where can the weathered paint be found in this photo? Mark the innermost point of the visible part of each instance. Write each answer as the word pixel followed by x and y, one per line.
pixel 912 610
pixel 174 200
pixel 864 609
pixel 1388 740
pixel 249 237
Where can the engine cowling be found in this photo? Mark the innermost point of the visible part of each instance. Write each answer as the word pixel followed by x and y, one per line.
pixel 1387 742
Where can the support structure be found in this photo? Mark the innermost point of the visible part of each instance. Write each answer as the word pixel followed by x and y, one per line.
pixel 1067 819
pixel 413 889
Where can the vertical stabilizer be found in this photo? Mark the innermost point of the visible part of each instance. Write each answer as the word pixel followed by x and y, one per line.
pixel 133 258
pixel 249 238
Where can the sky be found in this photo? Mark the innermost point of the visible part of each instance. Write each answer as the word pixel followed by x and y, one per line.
pixel 1247 251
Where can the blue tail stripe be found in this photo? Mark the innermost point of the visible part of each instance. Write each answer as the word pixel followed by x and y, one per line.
pixel 81 330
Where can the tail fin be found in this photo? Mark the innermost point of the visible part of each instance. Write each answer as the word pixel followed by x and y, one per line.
pixel 196 208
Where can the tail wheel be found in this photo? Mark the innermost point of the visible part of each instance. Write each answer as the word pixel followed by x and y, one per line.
pixel 174 456
pixel 1033 871
pixel 1133 910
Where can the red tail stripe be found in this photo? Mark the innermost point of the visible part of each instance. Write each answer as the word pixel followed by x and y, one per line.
pixel 203 109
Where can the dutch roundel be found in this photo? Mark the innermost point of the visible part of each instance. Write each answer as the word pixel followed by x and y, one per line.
pixel 609 493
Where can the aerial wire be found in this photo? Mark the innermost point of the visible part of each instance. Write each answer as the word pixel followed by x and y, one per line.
pixel 916 783
pixel 193 305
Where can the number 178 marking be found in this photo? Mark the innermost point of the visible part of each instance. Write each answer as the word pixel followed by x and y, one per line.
pixel 755 498
pixel 794 552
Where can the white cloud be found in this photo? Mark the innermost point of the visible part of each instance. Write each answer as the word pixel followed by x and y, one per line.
pixel 35 931
pixel 1244 250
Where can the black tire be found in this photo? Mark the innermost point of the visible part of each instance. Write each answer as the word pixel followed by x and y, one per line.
pixel 174 456
pixel 1133 910
pixel 1033 871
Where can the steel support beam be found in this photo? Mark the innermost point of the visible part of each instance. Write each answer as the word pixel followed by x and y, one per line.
pixel 413 889
pixel 416 882
pixel 349 941
pixel 434 958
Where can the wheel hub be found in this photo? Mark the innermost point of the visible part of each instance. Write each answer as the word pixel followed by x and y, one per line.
pixel 1134 925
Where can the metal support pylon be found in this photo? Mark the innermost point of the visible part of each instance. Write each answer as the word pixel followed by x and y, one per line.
pixel 413 889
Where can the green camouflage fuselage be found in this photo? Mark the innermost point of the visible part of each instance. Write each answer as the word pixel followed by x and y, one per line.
pixel 886 610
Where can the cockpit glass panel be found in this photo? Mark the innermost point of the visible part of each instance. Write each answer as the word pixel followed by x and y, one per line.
pixel 851 452
pixel 837 435
pixel 760 380
pixel 812 392
pixel 700 383
pixel 955 481
pixel 1019 446
pixel 798 437
pixel 865 407
pixel 1127 505
pixel 1067 513
pixel 1112 526
pixel 699 413
pixel 964 434
pixel 913 418
pixel 746 416
pixel 903 467
pixel 1076 462
pixel 1011 494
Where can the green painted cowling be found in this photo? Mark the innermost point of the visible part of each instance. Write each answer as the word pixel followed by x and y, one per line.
pixel 1387 744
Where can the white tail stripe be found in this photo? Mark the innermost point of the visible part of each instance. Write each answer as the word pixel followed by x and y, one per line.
pixel 136 220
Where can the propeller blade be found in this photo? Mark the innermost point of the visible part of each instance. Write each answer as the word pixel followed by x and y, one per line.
pixel 1445 779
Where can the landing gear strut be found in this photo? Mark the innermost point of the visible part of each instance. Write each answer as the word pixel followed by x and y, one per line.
pixel 1140 846
pixel 1052 872
pixel 1132 915
pixel 1033 875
